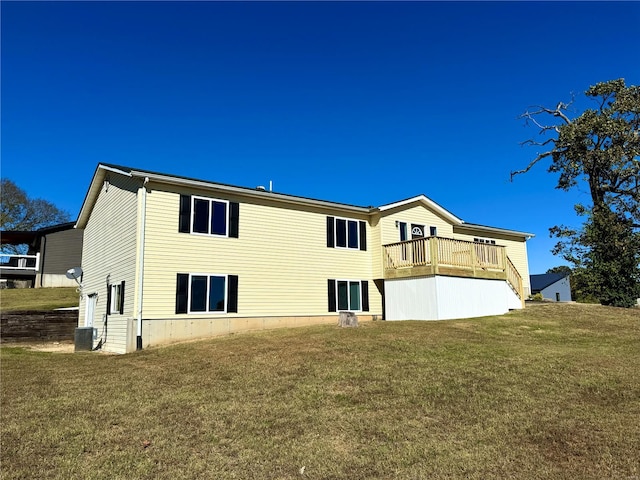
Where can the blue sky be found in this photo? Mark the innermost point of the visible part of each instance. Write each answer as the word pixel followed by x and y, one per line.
pixel 363 103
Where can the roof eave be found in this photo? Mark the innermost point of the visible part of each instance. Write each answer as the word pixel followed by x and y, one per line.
pixel 426 201
pixel 503 231
pixel 94 190
pixel 244 191
pixel 102 169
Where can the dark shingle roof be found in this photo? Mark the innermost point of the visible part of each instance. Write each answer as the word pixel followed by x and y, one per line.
pixel 540 282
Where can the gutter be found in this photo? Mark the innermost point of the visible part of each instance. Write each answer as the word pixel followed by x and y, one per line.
pixel 143 221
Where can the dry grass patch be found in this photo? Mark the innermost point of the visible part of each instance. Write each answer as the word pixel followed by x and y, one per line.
pixel 484 398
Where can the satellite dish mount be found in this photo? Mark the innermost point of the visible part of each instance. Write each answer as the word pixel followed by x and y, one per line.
pixel 75 273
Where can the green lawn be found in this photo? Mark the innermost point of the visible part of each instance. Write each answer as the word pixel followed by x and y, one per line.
pixel 40 299
pixel 549 392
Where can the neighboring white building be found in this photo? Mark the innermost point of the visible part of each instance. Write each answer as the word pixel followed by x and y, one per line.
pixel 553 286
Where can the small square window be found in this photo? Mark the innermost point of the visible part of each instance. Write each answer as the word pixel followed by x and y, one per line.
pixel 209 216
pixel 207 293
pixel 346 233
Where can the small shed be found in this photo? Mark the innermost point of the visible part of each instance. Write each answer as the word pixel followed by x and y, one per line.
pixel 553 286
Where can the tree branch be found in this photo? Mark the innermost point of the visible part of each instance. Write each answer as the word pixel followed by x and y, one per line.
pixel 556 112
pixel 533 162
pixel 540 144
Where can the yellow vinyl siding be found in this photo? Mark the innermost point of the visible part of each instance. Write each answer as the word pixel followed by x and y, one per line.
pixel 418 214
pixel 280 257
pixel 109 249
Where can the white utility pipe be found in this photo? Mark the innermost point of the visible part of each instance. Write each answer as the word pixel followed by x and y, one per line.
pixel 141 262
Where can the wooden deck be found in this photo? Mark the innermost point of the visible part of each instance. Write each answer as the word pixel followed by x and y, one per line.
pixel 445 256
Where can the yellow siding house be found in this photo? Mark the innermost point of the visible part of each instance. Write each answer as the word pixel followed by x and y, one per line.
pixel 167 258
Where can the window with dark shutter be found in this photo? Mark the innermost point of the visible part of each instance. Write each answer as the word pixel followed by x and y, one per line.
pixel 363 235
pixel 330 232
pixel 346 233
pixel 348 295
pixel 108 299
pixel 121 306
pixel 182 292
pixel 203 293
pixel 365 296
pixel 331 289
pixel 232 294
pixel 234 219
pixel 184 222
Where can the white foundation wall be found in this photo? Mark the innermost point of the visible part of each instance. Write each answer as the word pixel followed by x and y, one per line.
pixel 444 298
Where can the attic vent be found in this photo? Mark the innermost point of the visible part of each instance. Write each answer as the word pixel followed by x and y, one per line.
pixel 261 188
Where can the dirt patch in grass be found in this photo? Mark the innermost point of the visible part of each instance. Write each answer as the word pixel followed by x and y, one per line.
pixel 53 347
pixel 401 400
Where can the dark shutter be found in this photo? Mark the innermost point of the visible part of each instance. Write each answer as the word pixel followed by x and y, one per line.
pixel 232 294
pixel 121 306
pixel 108 299
pixel 365 296
pixel 363 235
pixel 182 292
pixel 330 233
pixel 184 222
pixel 234 219
pixel 331 284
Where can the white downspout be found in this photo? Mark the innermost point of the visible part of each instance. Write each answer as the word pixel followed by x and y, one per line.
pixel 143 219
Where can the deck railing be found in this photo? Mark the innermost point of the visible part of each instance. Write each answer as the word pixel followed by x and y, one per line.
pixel 437 255
pixel 446 252
pixel 514 279
pixel 29 263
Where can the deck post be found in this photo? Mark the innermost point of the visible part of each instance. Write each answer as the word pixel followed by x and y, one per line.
pixel 474 257
pixel 504 262
pixel 433 250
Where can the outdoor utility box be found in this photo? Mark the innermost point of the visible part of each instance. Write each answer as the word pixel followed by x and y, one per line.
pixel 84 339
pixel 348 319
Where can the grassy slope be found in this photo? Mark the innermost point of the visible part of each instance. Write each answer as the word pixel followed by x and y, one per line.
pixel 37 298
pixel 550 392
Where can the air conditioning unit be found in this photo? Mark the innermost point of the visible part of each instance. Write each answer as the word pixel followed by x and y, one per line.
pixel 84 339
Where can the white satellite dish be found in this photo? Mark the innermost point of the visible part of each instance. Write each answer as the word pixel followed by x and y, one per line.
pixel 74 273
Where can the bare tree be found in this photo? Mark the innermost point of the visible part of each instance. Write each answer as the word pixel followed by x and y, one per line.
pixel 600 147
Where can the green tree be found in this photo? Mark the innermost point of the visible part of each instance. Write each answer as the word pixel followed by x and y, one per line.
pixel 562 269
pixel 600 148
pixel 18 212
